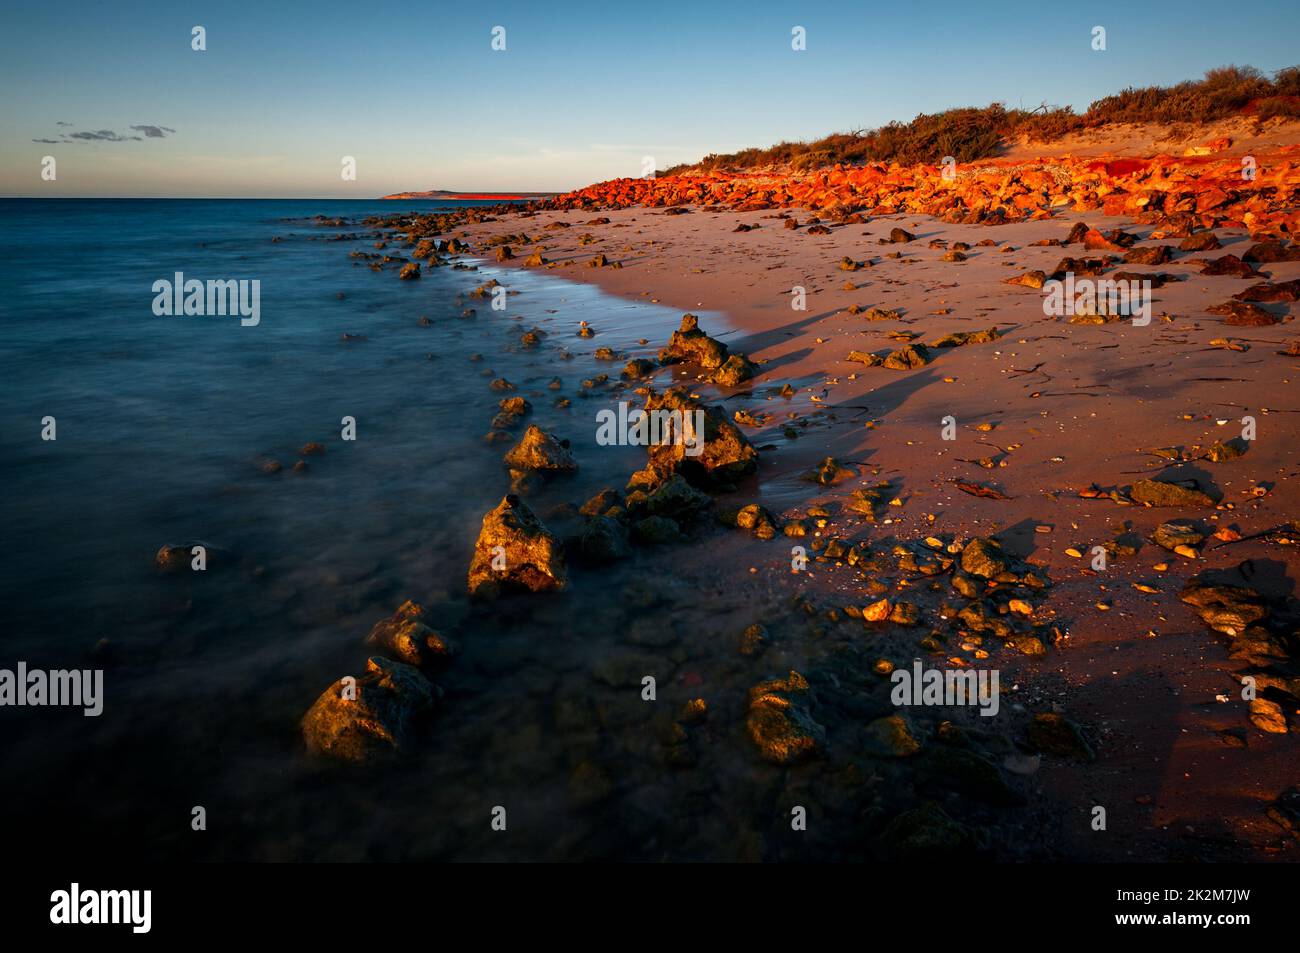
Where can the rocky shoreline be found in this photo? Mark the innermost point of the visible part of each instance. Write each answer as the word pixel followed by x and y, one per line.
pixel 873 584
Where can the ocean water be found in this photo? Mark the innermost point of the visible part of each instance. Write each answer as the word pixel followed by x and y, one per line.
pixel 164 425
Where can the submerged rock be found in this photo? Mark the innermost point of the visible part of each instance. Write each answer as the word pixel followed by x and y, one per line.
pixel 679 500
pixel 514 551
pixel 779 722
pixel 657 530
pixel 890 738
pixel 925 831
pixel 603 540
pixel 371 716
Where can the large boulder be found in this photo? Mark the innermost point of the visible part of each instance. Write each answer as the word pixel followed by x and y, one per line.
pixel 515 552
pixel 374 715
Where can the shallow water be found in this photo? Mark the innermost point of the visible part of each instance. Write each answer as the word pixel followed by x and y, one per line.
pixel 163 424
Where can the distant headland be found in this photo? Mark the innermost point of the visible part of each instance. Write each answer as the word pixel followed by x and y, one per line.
pixel 445 195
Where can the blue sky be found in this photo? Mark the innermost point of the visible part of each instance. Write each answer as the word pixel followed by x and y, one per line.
pixel 583 91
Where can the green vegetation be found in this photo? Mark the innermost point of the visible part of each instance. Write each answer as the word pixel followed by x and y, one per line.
pixel 971 133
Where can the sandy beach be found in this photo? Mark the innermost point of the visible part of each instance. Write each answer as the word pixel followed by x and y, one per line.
pixel 1046 411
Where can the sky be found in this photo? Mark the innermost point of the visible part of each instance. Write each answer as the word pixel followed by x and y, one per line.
pixel 583 92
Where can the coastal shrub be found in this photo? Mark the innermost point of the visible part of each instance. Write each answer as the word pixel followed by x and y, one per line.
pixel 970 133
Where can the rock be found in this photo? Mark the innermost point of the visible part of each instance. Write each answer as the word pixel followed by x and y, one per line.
pixel 1224 608
pixel 829 472
pixel 983 557
pixel 757 520
pixel 962 338
pixel 406 637
pixel 735 370
pixel 890 738
pixel 590 785
pixel 1053 734
pixel 924 832
pixel 1225 450
pixel 505 253
pixel 1173 535
pixel 1151 255
pixel 679 500
pixel 174 558
pixel 1231 266
pixel 688 343
pixel 512 410
pixel 638 367
pixel 1166 493
pixel 954 768
pixel 1285 811
pixel 602 502
pixel 726 455
pixel 1030 279
pixel 526 556
pixel 899 236
pixel 603 540
pixel 865 357
pixel 1244 314
pixel 1077 233
pixel 1272 252
pixel 1268 716
pixel 779 721
pixel 754 640
pixel 409 270
pixel 1201 241
pixel 656 530
pixel 907 358
pixel 905 613
pixel 390 699
pixel 1280 292
pixel 625 669
pixel 540 452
